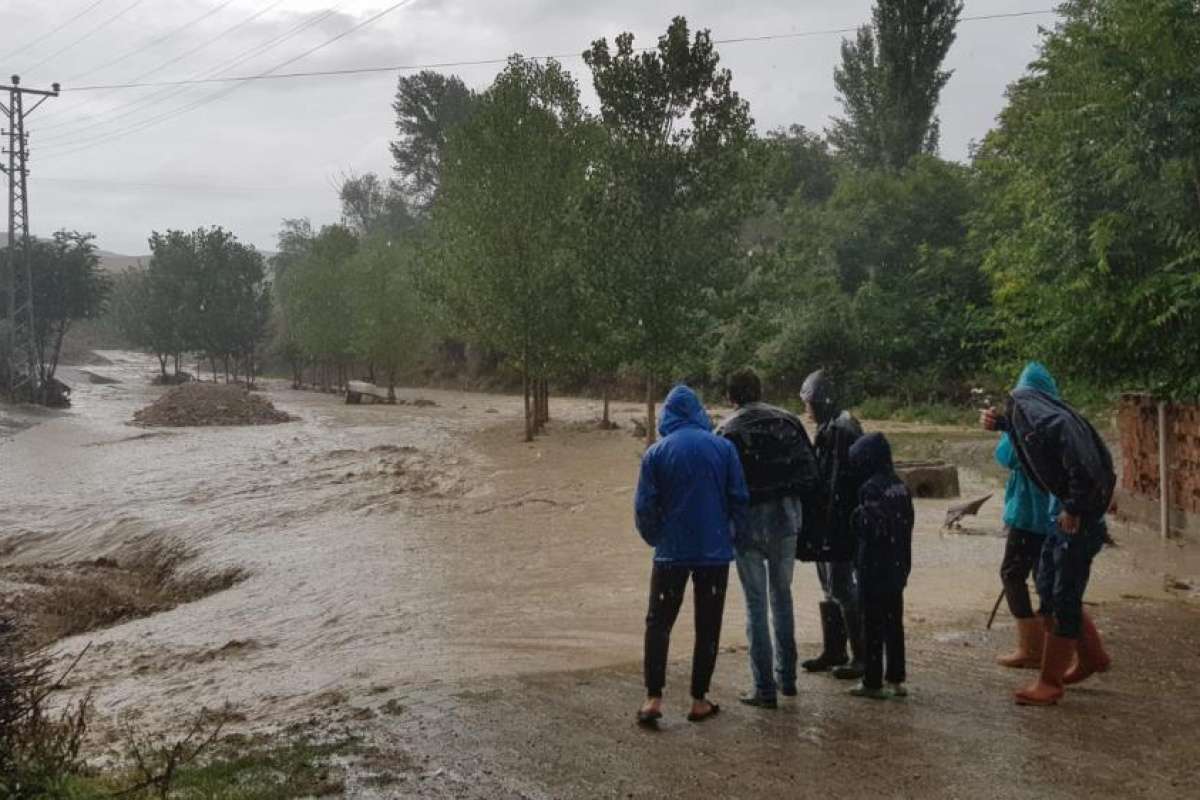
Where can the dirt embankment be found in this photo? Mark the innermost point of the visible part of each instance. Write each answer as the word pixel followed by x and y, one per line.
pixel 204 404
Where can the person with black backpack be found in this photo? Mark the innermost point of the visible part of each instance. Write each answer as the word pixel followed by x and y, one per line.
pixel 829 538
pixel 1067 458
pixel 781 474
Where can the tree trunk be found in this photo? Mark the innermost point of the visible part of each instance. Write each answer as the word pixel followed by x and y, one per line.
pixel 605 421
pixel 528 410
pixel 651 432
pixel 545 401
pixel 162 365
pixel 391 379
pixel 212 362
pixel 225 359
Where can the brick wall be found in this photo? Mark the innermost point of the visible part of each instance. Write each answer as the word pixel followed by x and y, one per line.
pixel 1137 420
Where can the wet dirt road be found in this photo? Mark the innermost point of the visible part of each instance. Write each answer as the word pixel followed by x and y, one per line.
pixel 475 604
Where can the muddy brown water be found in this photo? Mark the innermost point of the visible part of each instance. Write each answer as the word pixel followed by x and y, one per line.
pixel 428 558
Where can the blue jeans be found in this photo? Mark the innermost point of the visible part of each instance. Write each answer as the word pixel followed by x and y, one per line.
pixel 1063 571
pixel 765 570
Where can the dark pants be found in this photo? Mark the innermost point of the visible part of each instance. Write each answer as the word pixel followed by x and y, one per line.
pixel 1022 551
pixel 883 631
pixel 1063 572
pixel 667 584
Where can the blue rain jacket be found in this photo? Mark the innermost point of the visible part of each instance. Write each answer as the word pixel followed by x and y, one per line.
pixel 1027 507
pixel 691 493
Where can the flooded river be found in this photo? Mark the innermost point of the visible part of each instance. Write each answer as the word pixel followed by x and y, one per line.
pixel 397 547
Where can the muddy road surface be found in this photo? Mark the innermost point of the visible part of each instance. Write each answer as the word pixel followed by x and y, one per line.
pixel 473 605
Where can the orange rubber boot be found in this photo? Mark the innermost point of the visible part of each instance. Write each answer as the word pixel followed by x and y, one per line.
pixel 1091 656
pixel 1048 688
pixel 1028 655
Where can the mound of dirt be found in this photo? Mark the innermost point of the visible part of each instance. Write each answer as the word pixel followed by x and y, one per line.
pixel 201 404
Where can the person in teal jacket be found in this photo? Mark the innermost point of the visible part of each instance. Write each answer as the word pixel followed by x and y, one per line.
pixel 1029 515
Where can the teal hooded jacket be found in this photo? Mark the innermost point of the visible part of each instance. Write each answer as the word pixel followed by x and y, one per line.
pixel 1027 507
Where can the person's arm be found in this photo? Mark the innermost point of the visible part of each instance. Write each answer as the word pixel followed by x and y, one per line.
pixel 647 513
pixel 737 495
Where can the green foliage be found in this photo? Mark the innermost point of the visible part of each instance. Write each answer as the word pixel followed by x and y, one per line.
pixel 1092 224
pixel 890 80
pixel 668 193
pixel 68 286
pixel 504 221
pixel 316 290
pixel 428 107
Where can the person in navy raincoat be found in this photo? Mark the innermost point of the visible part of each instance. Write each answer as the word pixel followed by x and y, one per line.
pixel 691 497
pixel 883 525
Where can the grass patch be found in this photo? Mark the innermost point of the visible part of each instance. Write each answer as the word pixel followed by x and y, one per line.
pixel 891 408
pixel 60 600
pixel 237 768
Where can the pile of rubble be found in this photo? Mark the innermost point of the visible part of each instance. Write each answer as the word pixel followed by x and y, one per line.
pixel 202 404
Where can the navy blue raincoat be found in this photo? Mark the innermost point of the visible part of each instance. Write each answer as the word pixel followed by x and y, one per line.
pixel 883 521
pixel 691 492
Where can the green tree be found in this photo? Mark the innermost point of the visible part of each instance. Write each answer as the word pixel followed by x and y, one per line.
pixel 428 106
pixel 316 293
pixel 68 286
pixel 890 80
pixel 512 175
pixel 1091 228
pixel 391 329
pixel 669 195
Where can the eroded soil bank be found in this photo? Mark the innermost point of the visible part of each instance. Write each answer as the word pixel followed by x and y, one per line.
pixel 473 605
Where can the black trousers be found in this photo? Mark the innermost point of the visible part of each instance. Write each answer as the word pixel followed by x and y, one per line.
pixel 883 631
pixel 1022 550
pixel 667 585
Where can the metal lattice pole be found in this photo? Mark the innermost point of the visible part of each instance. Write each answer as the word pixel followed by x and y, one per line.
pixel 25 380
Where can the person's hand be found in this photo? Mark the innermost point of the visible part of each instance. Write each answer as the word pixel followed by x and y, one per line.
pixel 1068 523
pixel 989 418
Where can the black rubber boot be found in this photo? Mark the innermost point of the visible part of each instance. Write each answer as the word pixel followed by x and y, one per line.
pixel 833 632
pixel 855 669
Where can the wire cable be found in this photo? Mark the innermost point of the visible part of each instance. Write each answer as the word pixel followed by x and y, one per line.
pixel 49 33
pixel 86 36
pixel 501 60
pixel 223 93
pixel 154 42
pixel 74 119
pixel 174 89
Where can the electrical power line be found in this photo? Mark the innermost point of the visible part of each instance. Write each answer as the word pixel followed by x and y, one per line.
pixel 270 75
pixel 38 40
pixel 240 81
pixel 86 36
pixel 155 41
pixel 218 95
pixel 169 91
pixel 72 111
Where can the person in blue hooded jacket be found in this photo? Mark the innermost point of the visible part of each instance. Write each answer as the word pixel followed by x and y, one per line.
pixel 691 498
pixel 1029 517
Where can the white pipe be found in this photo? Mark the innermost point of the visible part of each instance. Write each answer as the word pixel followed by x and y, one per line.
pixel 1164 477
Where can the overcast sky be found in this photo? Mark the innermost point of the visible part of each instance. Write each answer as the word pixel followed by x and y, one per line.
pixel 121 163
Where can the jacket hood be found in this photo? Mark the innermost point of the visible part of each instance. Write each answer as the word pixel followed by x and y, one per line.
pixel 817 391
pixel 1035 376
pixel 871 455
pixel 682 409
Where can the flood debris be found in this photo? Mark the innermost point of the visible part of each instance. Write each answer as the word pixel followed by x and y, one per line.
pixel 210 404
pixel 57 600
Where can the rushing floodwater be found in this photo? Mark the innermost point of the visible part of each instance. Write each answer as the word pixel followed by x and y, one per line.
pixel 388 546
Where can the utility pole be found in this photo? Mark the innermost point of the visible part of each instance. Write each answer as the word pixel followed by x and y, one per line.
pixel 24 373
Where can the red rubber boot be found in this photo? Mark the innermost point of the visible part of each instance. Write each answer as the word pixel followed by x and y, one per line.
pixel 1091 655
pixel 1057 653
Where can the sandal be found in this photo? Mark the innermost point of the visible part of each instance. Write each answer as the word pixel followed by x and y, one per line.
pixel 713 710
pixel 648 719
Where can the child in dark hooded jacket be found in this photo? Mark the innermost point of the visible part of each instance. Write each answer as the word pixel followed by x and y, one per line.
pixel 883 525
